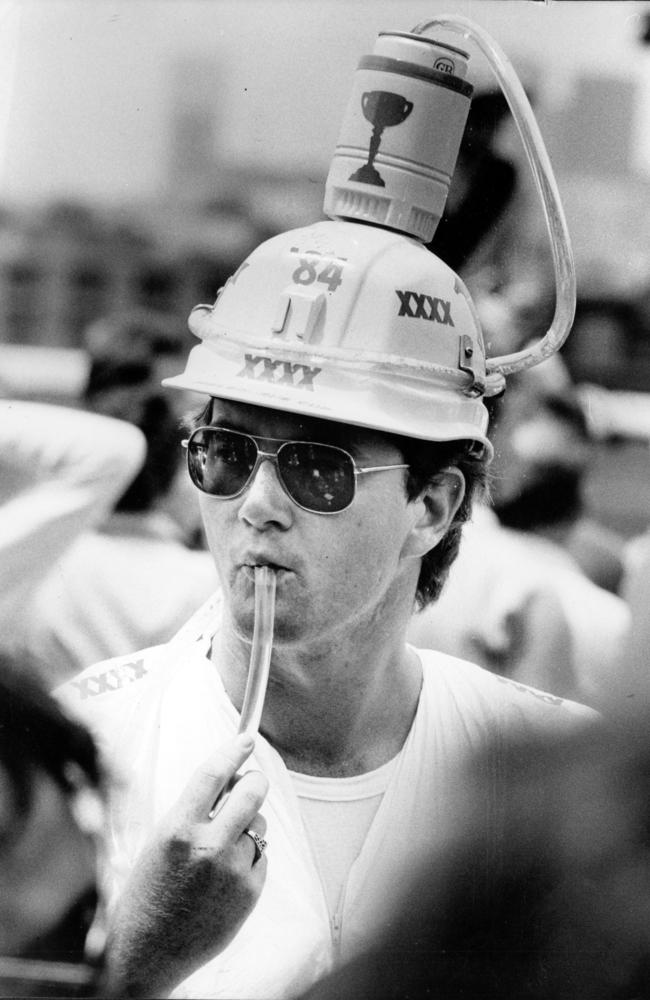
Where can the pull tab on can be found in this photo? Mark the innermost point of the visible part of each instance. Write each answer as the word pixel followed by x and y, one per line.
pixel 400 136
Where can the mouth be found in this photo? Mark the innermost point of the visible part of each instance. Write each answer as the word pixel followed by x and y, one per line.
pixel 250 564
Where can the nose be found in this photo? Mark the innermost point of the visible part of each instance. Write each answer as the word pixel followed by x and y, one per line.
pixel 264 501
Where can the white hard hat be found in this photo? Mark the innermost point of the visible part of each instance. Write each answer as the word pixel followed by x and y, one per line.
pixel 346 322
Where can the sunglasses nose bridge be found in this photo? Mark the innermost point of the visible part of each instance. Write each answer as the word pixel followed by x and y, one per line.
pixel 265 456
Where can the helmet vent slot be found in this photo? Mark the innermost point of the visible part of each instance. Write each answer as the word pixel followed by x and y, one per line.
pixel 359 205
pixel 422 224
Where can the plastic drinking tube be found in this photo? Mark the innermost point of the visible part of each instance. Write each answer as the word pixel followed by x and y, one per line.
pixel 540 165
pixel 260 661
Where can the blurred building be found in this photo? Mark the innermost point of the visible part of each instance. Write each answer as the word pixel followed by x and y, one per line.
pixel 67 264
pixel 64 264
pixel 194 128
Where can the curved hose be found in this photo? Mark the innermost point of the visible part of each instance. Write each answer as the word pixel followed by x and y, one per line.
pixel 563 263
pixel 258 666
pixel 260 659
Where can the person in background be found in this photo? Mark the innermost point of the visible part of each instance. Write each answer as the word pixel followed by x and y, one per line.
pixel 549 900
pixel 133 580
pixel 61 471
pixel 544 450
pixel 483 186
pixel 635 590
pixel 54 786
pixel 546 432
pixel 51 790
pixel 517 601
pixel 499 609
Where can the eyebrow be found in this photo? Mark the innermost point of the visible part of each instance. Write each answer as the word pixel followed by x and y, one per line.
pixel 339 434
pixel 305 434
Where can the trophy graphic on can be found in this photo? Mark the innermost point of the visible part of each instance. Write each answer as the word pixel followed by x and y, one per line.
pixel 383 110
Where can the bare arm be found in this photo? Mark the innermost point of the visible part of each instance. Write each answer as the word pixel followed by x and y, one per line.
pixel 194 885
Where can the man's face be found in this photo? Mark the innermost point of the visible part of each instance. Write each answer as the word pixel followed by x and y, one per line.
pixel 333 570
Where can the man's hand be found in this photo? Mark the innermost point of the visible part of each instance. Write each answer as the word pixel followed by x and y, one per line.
pixel 195 883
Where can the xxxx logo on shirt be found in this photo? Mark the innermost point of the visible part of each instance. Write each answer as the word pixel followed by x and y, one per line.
pixel 421 306
pixel 265 369
pixel 109 680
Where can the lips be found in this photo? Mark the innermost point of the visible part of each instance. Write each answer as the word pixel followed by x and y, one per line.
pixel 250 562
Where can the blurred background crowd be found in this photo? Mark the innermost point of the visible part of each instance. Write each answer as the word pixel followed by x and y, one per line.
pixel 147 149
pixel 128 197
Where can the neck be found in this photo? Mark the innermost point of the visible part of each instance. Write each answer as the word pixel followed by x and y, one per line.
pixel 339 706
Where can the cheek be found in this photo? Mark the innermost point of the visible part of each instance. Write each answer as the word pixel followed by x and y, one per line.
pixel 367 552
pixel 215 517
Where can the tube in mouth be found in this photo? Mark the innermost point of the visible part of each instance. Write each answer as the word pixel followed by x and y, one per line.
pixel 260 659
pixel 259 664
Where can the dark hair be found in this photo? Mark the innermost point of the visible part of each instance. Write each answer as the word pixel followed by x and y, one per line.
pixel 124 347
pixel 36 735
pixel 426 460
pixel 552 492
pixel 124 350
pixel 152 413
pixel 551 496
pixel 160 426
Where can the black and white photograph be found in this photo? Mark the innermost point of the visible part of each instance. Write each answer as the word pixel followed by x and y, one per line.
pixel 368 718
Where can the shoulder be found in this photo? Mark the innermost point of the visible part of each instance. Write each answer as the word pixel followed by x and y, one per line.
pixel 106 692
pixel 495 700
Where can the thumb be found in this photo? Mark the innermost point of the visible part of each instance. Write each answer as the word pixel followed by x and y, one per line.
pixel 212 776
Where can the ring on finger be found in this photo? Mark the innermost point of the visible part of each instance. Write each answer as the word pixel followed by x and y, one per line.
pixel 259 843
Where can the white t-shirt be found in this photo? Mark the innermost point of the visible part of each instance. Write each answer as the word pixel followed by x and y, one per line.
pixel 160 712
pixel 337 814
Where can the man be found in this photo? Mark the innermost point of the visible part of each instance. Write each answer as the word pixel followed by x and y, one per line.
pixel 348 468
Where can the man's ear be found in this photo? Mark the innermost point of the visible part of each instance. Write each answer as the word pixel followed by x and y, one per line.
pixel 434 511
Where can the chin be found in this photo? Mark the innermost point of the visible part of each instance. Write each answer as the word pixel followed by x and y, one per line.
pixel 286 632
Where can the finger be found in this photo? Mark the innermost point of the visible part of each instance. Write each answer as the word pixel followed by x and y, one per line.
pixel 255 841
pixel 258 825
pixel 212 776
pixel 243 804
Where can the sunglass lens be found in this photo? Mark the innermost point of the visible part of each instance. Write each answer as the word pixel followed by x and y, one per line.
pixel 319 477
pixel 220 462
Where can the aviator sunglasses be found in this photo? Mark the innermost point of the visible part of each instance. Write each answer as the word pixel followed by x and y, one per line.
pixel 320 478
